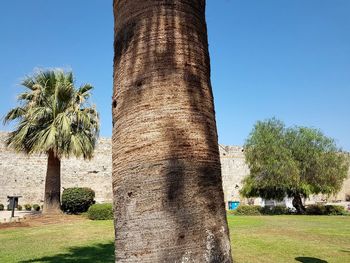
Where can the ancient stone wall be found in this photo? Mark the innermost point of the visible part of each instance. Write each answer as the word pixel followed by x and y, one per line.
pixel 233 170
pixel 23 175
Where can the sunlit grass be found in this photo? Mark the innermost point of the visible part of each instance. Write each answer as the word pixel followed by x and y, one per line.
pixel 313 239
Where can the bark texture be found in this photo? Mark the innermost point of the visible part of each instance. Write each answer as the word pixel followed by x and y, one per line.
pixel 169 203
pixel 52 199
pixel 298 204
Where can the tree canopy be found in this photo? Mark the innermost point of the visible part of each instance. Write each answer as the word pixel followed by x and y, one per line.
pixel 293 162
pixel 54 115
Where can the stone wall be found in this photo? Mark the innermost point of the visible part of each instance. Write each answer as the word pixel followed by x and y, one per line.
pixel 233 170
pixel 23 175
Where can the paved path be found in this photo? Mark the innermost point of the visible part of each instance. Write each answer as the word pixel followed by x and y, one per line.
pixel 5 216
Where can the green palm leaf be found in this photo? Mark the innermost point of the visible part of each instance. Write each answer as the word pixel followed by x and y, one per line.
pixel 54 116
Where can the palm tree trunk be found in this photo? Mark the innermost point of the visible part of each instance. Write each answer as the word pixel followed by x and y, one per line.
pixel 169 203
pixel 52 200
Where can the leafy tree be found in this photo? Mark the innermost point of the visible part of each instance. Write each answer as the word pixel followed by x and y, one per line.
pixel 54 118
pixel 294 162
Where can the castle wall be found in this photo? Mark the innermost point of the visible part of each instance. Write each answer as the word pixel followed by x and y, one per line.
pixel 25 176
pixel 233 170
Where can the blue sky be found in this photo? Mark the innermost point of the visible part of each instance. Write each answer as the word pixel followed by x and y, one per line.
pixel 288 59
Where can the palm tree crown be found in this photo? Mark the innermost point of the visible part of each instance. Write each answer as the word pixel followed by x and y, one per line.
pixel 54 116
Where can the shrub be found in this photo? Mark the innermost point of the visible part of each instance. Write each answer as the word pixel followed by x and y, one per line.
pixel 266 210
pixel 77 200
pixel 27 207
pixel 36 207
pixel 335 210
pixel 19 208
pixel 325 210
pixel 315 210
pixel 1 207
pixel 275 210
pixel 247 210
pixel 100 212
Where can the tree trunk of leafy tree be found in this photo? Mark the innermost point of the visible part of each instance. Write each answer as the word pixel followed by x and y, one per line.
pixel 52 200
pixel 169 203
pixel 298 204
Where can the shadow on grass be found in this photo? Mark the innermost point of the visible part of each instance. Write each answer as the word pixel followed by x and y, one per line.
pixel 310 260
pixel 94 253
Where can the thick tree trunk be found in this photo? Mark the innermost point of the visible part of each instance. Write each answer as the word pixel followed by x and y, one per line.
pixel 169 203
pixel 52 200
pixel 298 204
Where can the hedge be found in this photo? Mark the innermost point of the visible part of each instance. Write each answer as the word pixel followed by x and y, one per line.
pixel 77 200
pixel 275 210
pixel 282 210
pixel 100 212
pixel 36 207
pixel 27 207
pixel 247 210
pixel 325 210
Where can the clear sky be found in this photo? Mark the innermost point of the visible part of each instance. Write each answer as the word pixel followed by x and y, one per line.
pixel 282 58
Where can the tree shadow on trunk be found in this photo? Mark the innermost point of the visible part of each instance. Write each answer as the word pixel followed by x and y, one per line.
pixel 103 252
pixel 163 91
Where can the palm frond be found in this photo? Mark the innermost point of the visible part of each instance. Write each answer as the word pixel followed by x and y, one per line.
pixel 54 116
pixel 14 114
pixel 44 140
pixel 84 89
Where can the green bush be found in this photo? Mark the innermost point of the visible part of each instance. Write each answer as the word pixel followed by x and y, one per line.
pixel 100 212
pixel 258 210
pixel 282 210
pixel 36 207
pixel 77 200
pixel 275 210
pixel 325 210
pixel 247 210
pixel 335 210
pixel 19 207
pixel 2 207
pixel 27 207
pixel 315 210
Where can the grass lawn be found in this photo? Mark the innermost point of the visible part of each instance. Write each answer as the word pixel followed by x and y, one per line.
pixel 308 239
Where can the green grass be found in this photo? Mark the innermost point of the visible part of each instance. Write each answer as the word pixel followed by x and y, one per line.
pixel 308 239
pixel 79 241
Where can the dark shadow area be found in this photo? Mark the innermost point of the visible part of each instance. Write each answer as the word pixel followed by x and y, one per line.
pixel 310 260
pixel 95 253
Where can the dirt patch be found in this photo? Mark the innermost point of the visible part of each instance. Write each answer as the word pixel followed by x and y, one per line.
pixel 13 225
pixel 38 220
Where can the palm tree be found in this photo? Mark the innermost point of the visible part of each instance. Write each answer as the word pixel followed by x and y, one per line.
pixel 54 118
pixel 168 197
